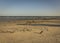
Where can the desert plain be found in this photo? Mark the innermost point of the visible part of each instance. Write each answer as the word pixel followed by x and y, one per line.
pixel 30 31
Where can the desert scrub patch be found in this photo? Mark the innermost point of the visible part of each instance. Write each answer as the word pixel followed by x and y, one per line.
pixel 7 31
pixel 25 29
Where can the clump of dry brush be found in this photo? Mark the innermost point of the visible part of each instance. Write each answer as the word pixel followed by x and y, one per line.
pixel 16 30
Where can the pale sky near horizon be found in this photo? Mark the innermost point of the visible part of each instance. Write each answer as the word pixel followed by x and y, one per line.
pixel 29 8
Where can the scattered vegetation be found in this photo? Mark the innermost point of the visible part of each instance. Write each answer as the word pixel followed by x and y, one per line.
pixel 13 31
pixel 7 31
pixel 41 32
pixel 25 29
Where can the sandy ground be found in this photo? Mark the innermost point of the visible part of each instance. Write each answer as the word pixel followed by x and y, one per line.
pixel 12 33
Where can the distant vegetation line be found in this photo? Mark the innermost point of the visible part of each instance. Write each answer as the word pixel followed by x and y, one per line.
pixel 29 17
pixel 58 25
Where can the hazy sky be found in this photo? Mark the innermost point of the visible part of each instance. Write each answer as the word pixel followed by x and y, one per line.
pixel 29 8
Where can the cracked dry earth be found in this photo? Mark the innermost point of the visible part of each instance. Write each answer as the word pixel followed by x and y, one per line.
pixel 11 33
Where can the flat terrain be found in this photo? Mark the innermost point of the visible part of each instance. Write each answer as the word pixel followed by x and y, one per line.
pixel 22 31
